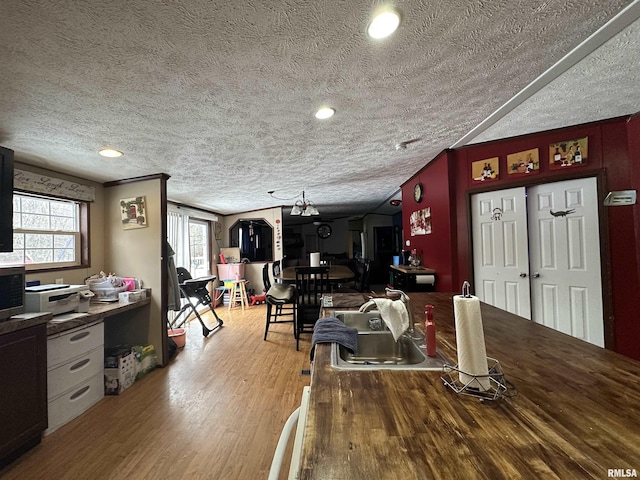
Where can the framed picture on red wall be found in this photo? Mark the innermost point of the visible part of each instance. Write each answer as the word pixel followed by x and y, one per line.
pixel 485 170
pixel 524 163
pixel 420 222
pixel 569 153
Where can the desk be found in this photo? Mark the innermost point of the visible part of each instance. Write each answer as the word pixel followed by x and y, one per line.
pixel 336 272
pixel 412 279
pixel 23 368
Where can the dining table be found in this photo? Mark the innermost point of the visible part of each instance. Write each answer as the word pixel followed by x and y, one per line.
pixel 337 273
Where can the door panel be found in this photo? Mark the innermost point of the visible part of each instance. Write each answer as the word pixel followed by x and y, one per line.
pixel 500 245
pixel 565 252
pixel 547 246
pixel 488 292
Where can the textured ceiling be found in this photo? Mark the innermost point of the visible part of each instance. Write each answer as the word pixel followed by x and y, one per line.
pixel 220 95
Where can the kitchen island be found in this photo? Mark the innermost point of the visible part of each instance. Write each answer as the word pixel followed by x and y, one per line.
pixel 574 412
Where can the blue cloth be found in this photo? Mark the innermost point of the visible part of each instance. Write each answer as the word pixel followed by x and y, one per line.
pixel 332 330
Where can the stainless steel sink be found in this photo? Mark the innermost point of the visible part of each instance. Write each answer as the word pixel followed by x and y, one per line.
pixel 361 320
pixel 377 350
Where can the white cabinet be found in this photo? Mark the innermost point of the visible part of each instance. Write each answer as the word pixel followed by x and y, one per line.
pixel 75 380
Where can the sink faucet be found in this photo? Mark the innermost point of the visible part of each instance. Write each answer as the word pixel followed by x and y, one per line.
pixel 407 304
pixel 371 304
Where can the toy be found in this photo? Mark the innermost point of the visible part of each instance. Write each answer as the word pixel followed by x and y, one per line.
pixel 258 299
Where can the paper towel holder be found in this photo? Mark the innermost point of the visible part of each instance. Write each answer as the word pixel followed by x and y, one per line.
pixel 498 385
pixel 466 289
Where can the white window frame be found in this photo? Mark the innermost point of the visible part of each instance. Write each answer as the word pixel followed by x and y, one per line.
pixel 17 230
pixel 178 221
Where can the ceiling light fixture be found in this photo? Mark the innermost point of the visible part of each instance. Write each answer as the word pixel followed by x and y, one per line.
pixel 324 113
pixel 384 24
pixel 403 145
pixel 304 207
pixel 110 152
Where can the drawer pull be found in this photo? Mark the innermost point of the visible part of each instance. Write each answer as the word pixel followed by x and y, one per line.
pixel 79 336
pixel 80 392
pixel 80 364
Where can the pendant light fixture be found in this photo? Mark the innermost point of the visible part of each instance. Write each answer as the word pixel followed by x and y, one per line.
pixel 304 207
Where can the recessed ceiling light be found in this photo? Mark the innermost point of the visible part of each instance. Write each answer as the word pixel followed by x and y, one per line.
pixel 324 113
pixel 384 24
pixel 110 152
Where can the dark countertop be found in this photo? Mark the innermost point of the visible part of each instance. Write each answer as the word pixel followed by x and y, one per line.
pixel 409 270
pixel 575 413
pixel 24 320
pixel 98 311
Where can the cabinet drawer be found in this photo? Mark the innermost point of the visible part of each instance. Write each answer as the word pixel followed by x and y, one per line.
pixel 73 344
pixel 74 402
pixel 76 371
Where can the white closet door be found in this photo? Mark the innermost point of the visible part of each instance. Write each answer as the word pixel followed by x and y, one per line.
pixel 566 282
pixel 500 250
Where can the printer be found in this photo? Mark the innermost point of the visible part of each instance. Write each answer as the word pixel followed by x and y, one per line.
pixel 57 298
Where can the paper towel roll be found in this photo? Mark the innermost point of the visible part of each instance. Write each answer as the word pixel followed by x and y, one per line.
pixel 472 353
pixel 425 279
pixel 314 259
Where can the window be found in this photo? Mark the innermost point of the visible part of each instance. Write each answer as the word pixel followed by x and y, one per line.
pixel 190 240
pixel 199 248
pixel 254 238
pixel 46 233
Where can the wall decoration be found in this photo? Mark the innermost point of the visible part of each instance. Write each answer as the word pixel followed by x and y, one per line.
pixel 562 213
pixel 218 230
pixel 133 212
pixel 526 163
pixel 485 170
pixel 278 235
pixel 570 153
pixel 420 222
pixel 38 183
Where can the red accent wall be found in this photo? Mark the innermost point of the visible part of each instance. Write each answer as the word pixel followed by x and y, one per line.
pixel 436 248
pixel 613 155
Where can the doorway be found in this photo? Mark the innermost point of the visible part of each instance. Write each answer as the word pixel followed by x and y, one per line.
pixel 535 254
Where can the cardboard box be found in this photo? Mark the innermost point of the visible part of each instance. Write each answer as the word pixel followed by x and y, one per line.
pixel 132 296
pixel 119 371
pixel 146 360
pixel 231 254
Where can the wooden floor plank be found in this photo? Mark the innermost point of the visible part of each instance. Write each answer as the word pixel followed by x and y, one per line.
pixel 215 412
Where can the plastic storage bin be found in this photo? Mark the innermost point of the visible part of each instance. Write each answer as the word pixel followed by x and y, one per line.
pixel 104 289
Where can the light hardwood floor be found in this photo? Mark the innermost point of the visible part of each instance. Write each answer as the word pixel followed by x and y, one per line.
pixel 215 412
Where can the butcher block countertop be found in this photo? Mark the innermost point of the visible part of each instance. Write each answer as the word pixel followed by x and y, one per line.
pixel 574 413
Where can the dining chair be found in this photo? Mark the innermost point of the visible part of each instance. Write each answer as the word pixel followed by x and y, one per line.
pixel 281 302
pixel 265 277
pixel 361 284
pixel 277 269
pixel 311 284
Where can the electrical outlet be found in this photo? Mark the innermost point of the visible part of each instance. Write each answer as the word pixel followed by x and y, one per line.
pixel 59 281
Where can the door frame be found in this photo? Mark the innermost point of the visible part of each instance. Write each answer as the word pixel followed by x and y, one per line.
pixel 605 260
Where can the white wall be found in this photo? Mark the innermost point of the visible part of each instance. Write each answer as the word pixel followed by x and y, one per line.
pixel 137 253
pixel 273 216
pixel 369 222
pixel 338 242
